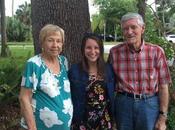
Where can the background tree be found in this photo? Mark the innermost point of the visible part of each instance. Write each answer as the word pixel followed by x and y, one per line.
pixel 19 25
pixel 23 13
pixel 71 15
pixel 165 11
pixel 3 29
pixel 142 8
pixel 16 30
pixel 111 12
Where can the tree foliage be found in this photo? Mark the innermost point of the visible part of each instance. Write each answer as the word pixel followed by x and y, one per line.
pixel 23 13
pixel 166 11
pixel 16 31
pixel 111 12
pixel 19 26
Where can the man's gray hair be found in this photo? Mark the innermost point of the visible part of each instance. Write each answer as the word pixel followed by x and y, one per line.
pixel 133 16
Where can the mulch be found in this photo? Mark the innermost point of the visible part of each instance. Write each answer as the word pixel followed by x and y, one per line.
pixel 9 116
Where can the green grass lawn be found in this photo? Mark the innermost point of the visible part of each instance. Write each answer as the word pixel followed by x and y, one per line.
pixel 19 53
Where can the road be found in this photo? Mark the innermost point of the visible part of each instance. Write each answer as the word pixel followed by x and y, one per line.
pixel 107 48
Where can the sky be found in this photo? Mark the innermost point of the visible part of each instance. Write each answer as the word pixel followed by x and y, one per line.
pixel 8 5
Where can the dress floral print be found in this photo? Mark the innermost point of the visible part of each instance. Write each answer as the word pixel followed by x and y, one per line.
pixel 97 113
pixel 51 101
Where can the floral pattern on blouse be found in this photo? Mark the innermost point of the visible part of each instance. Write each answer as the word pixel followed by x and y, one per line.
pixel 51 100
pixel 97 110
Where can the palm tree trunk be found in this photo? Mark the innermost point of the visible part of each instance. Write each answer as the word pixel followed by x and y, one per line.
pixel 3 29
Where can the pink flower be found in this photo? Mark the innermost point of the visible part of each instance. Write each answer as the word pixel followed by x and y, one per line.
pixel 109 125
pixel 102 122
pixel 82 127
pixel 101 97
pixel 91 95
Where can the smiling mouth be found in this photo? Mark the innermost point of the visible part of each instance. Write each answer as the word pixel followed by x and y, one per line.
pixel 92 56
pixel 130 38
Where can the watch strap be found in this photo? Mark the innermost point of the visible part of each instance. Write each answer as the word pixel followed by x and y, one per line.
pixel 165 114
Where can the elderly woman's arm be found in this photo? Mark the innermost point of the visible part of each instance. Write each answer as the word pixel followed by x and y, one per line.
pixel 25 97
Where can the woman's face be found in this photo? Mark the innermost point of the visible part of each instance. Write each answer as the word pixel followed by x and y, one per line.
pixel 52 45
pixel 92 51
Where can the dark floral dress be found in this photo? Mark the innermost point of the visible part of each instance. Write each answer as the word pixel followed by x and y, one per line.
pixel 97 109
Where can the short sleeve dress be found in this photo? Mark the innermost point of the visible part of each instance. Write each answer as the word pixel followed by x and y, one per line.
pixel 51 101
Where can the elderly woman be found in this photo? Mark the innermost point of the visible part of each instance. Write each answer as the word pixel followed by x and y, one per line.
pixel 45 97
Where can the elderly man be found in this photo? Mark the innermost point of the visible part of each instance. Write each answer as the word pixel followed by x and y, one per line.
pixel 142 96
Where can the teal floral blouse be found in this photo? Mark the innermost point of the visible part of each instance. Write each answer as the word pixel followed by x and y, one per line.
pixel 51 101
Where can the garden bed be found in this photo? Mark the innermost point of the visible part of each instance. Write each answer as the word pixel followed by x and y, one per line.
pixel 9 116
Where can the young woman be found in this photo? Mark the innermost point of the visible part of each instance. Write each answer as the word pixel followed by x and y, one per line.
pixel 92 88
pixel 45 97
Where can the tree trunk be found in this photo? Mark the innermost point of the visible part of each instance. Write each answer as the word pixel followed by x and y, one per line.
pixel 142 8
pixel 71 15
pixel 3 29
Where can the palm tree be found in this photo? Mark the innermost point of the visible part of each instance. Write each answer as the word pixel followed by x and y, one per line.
pixel 23 13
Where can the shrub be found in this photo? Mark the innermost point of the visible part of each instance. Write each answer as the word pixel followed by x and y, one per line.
pixel 17 31
pixel 10 74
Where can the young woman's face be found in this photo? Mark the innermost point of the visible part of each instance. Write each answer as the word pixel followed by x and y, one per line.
pixel 53 44
pixel 92 51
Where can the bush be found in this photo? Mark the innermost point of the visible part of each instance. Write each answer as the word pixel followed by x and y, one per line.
pixel 10 78
pixel 10 75
pixel 17 31
pixel 171 112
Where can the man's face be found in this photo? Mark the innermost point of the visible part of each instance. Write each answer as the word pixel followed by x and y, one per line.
pixel 132 32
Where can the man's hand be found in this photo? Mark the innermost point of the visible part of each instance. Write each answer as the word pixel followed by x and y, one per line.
pixel 161 123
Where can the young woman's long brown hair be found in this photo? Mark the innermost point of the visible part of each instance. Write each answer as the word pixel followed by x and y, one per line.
pixel 100 60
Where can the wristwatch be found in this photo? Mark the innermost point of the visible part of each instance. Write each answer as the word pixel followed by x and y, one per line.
pixel 165 114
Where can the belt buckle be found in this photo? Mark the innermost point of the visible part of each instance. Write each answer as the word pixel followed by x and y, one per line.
pixel 137 98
